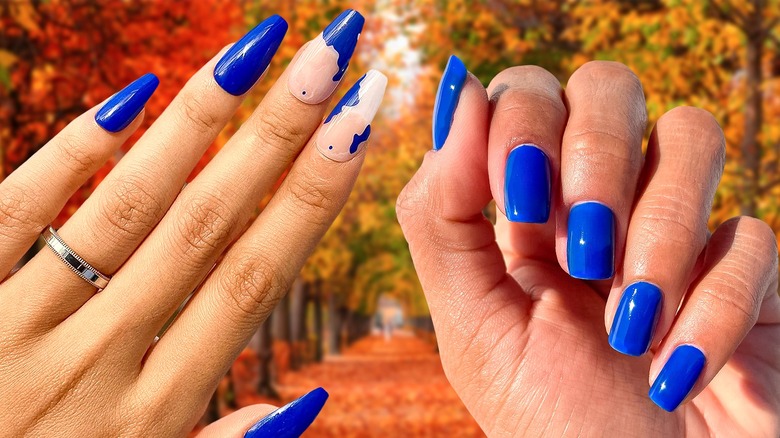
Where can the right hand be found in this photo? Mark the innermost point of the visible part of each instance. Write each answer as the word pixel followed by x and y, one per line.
pixel 522 341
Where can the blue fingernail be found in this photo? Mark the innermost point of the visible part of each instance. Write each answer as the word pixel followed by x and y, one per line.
pixel 125 105
pixel 291 420
pixel 527 185
pixel 342 34
pixel 635 319
pixel 677 377
pixel 447 100
pixel 247 59
pixel 591 242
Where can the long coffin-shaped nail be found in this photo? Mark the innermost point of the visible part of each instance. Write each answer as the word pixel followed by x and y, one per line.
pixel 321 66
pixel 291 420
pixel 124 106
pixel 591 241
pixel 636 318
pixel 247 59
pixel 527 185
pixel 677 377
pixel 348 126
pixel 447 100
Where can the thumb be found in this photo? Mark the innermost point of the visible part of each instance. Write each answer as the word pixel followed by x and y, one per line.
pixel 452 244
pixel 261 421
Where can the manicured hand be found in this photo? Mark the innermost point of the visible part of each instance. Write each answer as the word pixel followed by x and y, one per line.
pixel 593 238
pixel 74 362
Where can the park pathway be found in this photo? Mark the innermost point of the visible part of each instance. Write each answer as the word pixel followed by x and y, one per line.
pixel 383 388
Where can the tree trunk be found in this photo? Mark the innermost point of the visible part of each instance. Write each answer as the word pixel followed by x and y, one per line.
pixel 265 377
pixel 334 325
pixel 318 338
pixel 750 147
pixel 298 329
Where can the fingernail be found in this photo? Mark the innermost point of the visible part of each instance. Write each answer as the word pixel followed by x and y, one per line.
pixel 677 377
pixel 247 59
pixel 348 126
pixel 527 185
pixel 591 242
pixel 291 420
pixel 321 66
pixel 447 100
pixel 124 106
pixel 635 319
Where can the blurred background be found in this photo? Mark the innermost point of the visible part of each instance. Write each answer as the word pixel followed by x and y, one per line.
pixel 355 322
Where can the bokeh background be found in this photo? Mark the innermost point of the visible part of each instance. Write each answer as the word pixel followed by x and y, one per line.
pixel 356 321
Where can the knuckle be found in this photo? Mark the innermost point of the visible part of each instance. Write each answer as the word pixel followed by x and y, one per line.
pixel 74 152
pixel 606 72
pixel 700 128
pixel 20 211
pixel 278 131
pixel 412 204
pixel 665 216
pixel 754 236
pixel 253 283
pixel 129 206
pixel 196 114
pixel 315 196
pixel 204 224
pixel 531 80
pixel 593 146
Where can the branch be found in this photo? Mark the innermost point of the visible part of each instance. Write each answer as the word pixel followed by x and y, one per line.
pixel 734 16
pixel 763 190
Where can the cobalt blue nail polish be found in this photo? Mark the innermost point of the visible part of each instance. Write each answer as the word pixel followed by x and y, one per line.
pixel 246 60
pixel 291 420
pixel 447 100
pixel 677 377
pixel 527 185
pixel 342 34
pixel 635 319
pixel 125 105
pixel 591 242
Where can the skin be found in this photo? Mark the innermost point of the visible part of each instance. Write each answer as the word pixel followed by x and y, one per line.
pixel 77 363
pixel 523 343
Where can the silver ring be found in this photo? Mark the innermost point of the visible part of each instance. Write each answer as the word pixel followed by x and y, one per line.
pixel 73 261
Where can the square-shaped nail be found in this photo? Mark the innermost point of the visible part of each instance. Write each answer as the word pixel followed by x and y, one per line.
pixel 677 377
pixel 636 318
pixel 447 98
pixel 591 241
pixel 243 64
pixel 527 185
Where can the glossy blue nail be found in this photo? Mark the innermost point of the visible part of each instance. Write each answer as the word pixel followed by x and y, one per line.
pixel 447 100
pixel 291 420
pixel 125 105
pixel 677 377
pixel 591 242
pixel 636 318
pixel 342 34
pixel 527 185
pixel 246 60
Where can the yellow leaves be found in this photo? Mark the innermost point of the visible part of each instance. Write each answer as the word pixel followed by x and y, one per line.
pixel 7 59
pixel 23 13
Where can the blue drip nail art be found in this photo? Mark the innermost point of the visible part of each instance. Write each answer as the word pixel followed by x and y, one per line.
pixel 677 377
pixel 291 420
pixel 527 185
pixel 342 34
pixel 351 98
pixel 636 318
pixel 591 241
pixel 447 100
pixel 125 105
pixel 244 63
pixel 359 138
